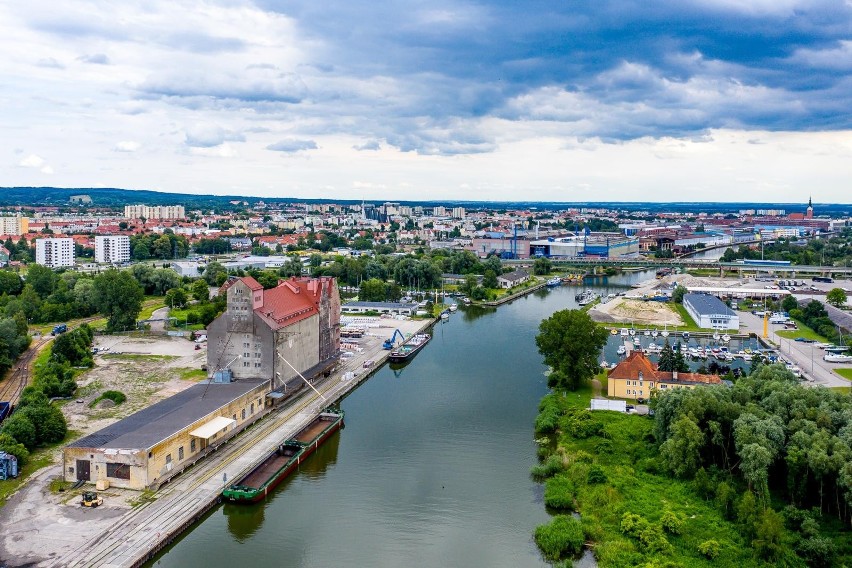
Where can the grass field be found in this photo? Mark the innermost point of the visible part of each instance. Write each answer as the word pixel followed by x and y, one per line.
pixel 845 373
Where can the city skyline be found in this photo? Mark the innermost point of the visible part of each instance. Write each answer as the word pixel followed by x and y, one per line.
pixel 691 101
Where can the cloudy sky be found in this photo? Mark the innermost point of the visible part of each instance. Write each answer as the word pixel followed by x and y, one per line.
pixel 688 100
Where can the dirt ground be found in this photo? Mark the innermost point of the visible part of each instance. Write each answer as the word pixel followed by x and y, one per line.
pixel 145 369
pixel 639 312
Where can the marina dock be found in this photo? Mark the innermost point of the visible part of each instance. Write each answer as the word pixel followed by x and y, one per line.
pixel 140 533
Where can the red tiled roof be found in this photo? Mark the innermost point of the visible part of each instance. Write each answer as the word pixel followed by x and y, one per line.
pixel 636 362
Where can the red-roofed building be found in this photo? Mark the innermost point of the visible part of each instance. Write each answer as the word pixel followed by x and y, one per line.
pixel 638 377
pixel 272 334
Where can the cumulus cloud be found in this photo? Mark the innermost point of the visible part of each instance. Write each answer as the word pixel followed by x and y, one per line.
pixel 292 145
pixel 35 161
pixel 126 146
pixel 49 62
pixel 210 135
pixel 96 59
pixel 368 145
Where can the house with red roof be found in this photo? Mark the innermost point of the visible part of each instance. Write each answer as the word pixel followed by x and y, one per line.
pixel 279 333
pixel 639 377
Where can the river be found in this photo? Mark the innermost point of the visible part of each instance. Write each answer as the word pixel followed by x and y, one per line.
pixel 432 468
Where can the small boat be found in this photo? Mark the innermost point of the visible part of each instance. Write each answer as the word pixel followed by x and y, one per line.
pixel 445 315
pixel 637 342
pixel 632 331
pixel 604 364
pixel 665 332
pixel 693 352
pixel 454 307
pixel 257 484
pixel 553 282
pixel 621 350
pixel 647 332
pixel 410 348
pixel 655 333
pixel 726 338
pixel 716 336
pixel 624 332
pixel 613 331
pixel 685 335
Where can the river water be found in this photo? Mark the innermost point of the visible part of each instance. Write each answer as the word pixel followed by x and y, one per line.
pixel 432 468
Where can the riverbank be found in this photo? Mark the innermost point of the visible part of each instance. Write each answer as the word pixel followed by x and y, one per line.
pixel 130 527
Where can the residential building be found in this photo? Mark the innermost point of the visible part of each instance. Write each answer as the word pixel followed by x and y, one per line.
pixel 17 225
pixel 154 211
pixel 55 252
pixel 439 211
pixel 288 330
pixel 709 312
pixel 112 248
pixel 458 213
pixel 638 377
pixel 513 278
pixel 4 256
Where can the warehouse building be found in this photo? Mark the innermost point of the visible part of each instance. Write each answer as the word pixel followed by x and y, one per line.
pixel 600 245
pixel 709 312
pixel 149 447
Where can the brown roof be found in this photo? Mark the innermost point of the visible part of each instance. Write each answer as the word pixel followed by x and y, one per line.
pixel 637 362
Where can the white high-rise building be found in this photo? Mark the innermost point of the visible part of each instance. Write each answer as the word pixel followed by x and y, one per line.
pixel 55 252
pixel 112 248
pixel 458 213
pixel 439 211
pixel 154 211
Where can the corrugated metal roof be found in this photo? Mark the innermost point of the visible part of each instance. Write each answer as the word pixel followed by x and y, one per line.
pixel 707 305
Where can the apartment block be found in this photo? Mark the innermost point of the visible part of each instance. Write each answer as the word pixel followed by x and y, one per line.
pixel 154 211
pixel 16 225
pixel 55 252
pixel 112 248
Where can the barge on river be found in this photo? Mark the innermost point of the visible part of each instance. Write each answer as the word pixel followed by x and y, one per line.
pixel 287 456
pixel 410 348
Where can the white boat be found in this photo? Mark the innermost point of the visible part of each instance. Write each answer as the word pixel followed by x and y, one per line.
pixel 726 338
pixel 621 350
pixel 454 307
pixel 665 332
pixel 837 358
pixel 655 333
pixel 647 332
pixel 445 315
pixel 716 336
pixel 632 331
pixel 624 332
pixel 637 342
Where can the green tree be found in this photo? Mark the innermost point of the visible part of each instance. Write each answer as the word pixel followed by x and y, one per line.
pixel 542 266
pixel 489 279
pixel 176 298
pixel 571 343
pixel 21 428
pixel 667 358
pixel 119 297
pixel 768 535
pixel 836 297
pixel 12 446
pixel 789 303
pixel 10 283
pixel 372 290
pixel 42 279
pixel 200 291
pixel 678 294
pixel 215 274
pixel 682 451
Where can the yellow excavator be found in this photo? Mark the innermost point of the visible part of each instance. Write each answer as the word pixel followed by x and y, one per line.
pixel 91 499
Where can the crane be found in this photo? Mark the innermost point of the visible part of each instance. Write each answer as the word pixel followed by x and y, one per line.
pixel 389 343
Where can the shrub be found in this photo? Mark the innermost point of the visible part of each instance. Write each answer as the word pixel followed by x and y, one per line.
pixel 548 416
pixel 653 539
pixel 116 396
pixel 671 522
pixel 10 445
pixel 817 551
pixel 581 424
pixel 550 467
pixel 633 524
pixel 20 427
pixel 559 492
pixel 596 475
pixel 563 536
pixel 709 548
pixel 50 425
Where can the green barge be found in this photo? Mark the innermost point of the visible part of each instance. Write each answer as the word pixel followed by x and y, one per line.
pixel 257 484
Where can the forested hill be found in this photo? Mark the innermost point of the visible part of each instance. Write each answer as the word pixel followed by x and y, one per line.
pixel 111 197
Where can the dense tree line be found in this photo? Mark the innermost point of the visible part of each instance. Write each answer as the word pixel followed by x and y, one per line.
pixel 167 245
pixel 14 340
pixel 775 439
pixel 833 251
pixel 815 316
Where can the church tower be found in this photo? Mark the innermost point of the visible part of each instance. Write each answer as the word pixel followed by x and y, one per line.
pixel 809 213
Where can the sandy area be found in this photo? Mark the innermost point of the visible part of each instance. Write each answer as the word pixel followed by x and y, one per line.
pixel 639 312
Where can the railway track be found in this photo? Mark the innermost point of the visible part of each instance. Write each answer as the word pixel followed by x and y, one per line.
pixel 18 376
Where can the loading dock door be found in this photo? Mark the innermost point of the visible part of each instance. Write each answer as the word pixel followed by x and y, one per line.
pixel 83 470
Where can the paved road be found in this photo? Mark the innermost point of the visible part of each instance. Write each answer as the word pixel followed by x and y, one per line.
pixel 804 355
